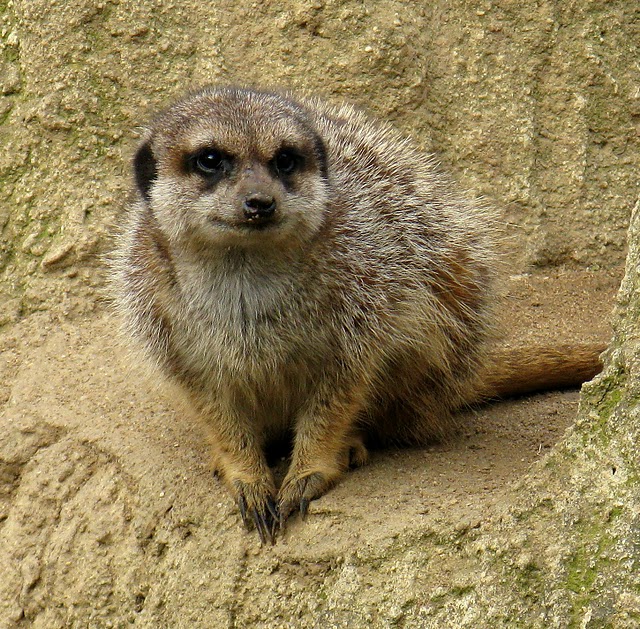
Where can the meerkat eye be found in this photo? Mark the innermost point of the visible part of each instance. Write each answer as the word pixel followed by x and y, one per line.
pixel 210 162
pixel 286 162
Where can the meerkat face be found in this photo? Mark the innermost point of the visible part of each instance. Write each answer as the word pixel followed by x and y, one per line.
pixel 230 167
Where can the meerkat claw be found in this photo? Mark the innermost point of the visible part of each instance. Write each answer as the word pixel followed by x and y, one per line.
pixel 304 507
pixel 242 507
pixel 261 525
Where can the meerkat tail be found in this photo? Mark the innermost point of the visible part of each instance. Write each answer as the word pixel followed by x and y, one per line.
pixel 514 371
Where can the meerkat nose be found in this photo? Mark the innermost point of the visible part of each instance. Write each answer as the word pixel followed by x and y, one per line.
pixel 258 206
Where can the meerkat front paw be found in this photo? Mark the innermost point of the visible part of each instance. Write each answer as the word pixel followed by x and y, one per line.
pixel 258 508
pixel 299 489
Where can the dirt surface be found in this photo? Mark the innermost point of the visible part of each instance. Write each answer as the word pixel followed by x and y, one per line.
pixel 71 395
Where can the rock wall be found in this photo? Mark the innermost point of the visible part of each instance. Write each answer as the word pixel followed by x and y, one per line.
pixel 534 105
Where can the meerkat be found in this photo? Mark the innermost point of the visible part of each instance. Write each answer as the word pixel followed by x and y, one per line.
pixel 300 268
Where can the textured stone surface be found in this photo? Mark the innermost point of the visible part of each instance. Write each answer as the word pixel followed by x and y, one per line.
pixel 534 105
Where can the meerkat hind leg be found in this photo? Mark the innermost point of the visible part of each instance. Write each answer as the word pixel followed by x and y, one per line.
pixel 357 452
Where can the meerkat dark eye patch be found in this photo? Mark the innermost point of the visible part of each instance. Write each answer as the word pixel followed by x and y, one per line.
pixel 287 161
pixel 210 163
pixel 145 170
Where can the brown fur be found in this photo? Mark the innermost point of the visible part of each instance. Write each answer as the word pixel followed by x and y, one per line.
pixel 359 309
pixel 520 370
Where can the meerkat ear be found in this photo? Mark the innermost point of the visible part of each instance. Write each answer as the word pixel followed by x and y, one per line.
pixel 144 168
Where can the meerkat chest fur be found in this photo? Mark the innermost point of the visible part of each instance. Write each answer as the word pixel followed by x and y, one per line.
pixel 244 319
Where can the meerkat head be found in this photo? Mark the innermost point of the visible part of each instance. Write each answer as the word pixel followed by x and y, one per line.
pixel 231 167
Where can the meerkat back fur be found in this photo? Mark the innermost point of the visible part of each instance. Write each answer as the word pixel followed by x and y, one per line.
pixel 297 267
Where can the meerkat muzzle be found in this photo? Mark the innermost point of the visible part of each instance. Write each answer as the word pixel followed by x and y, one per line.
pixel 259 208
